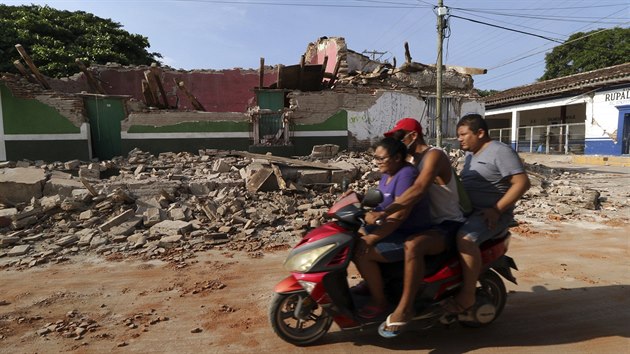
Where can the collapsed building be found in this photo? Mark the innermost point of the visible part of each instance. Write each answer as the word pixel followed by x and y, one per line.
pixel 333 96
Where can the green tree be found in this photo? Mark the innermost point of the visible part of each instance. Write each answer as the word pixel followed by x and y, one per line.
pixel 55 38
pixel 485 93
pixel 588 51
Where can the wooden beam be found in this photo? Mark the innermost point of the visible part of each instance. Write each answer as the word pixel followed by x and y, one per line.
pixel 146 93
pixel 157 73
pixel 301 77
pixel 335 72
pixel 193 100
pixel 279 81
pixel 32 66
pixel 261 73
pixel 286 160
pixel 468 70
pixel 24 72
pixel 153 88
pixel 324 64
pixel 92 82
pixel 407 53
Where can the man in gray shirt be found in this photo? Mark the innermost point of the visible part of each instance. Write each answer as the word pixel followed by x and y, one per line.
pixel 495 180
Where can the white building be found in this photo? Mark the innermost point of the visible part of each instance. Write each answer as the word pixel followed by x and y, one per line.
pixel 585 113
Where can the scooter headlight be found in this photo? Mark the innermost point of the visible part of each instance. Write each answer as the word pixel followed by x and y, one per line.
pixel 303 261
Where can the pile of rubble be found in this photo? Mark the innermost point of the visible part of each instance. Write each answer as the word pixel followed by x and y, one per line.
pixel 559 192
pixel 172 205
pixel 166 206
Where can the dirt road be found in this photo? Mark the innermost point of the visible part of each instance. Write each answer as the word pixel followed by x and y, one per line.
pixel 573 296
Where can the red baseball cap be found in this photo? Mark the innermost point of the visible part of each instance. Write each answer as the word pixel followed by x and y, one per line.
pixel 406 124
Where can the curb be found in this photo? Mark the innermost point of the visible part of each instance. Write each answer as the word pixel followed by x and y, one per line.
pixel 618 161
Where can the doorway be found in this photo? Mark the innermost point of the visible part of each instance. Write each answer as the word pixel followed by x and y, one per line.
pixel 625 137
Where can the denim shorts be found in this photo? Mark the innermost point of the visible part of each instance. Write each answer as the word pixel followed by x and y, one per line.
pixel 448 230
pixel 392 247
pixel 477 229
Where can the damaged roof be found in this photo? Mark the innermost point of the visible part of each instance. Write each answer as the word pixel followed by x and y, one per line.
pixel 568 85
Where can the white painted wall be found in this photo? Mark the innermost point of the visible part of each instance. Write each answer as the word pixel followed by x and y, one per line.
pixel 392 106
pixel 603 116
pixel 381 117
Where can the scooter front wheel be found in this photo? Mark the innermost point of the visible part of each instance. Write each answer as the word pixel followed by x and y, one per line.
pixel 298 319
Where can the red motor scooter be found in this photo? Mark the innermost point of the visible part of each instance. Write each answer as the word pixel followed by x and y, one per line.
pixel 317 291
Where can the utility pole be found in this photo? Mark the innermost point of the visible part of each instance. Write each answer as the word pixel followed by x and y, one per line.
pixel 373 53
pixel 441 12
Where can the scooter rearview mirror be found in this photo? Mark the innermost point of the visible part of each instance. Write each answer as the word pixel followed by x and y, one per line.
pixel 372 198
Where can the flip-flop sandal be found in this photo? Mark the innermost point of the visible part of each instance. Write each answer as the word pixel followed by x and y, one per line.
pixel 455 307
pixel 383 332
pixel 451 314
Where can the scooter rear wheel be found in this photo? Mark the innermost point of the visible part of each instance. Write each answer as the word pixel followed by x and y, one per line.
pixel 298 319
pixel 491 289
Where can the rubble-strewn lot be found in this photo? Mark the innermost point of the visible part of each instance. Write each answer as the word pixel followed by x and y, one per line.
pixel 172 205
pixel 159 253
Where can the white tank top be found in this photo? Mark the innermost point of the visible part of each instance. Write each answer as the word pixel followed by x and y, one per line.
pixel 444 199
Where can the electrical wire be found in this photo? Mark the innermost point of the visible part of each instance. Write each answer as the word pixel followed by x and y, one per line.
pixel 508 29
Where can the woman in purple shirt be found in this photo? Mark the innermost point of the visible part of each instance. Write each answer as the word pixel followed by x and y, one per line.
pixel 385 243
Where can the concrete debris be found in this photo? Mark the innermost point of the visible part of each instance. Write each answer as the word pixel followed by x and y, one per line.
pixel 185 203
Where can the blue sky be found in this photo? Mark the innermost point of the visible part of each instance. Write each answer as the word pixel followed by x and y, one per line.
pixel 208 34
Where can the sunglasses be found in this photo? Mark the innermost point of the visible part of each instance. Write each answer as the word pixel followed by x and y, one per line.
pixel 380 159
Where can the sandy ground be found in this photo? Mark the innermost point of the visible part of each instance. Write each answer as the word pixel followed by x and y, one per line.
pixel 573 297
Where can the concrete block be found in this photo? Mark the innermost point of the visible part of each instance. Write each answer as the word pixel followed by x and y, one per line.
pixel 127 227
pixel 67 240
pixel 72 165
pixel 170 241
pixel 62 187
pixel 50 203
pixel 6 215
pixel 6 241
pixel 86 172
pixel 18 185
pixel 170 227
pixel 221 166
pixel 153 216
pixel 263 180
pixel 19 250
pixel 118 219
pixel 325 151
pixel 314 176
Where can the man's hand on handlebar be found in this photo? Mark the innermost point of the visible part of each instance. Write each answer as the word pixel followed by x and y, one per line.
pixel 375 217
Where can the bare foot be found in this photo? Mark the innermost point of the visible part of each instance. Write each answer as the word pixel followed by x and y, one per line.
pixel 398 317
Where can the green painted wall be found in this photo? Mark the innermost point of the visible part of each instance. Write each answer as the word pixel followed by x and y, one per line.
pixel 338 121
pixel 47 150
pixel 30 116
pixel 193 127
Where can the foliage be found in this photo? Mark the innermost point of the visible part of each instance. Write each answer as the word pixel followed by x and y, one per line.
pixel 485 93
pixel 55 38
pixel 588 51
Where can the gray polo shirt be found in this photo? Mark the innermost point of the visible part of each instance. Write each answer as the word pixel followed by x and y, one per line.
pixel 485 174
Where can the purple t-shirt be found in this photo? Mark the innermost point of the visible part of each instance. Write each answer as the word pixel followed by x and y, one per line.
pixel 420 216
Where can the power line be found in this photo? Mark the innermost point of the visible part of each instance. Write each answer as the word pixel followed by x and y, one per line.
pixel 508 29
pixel 387 4
pixel 554 18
